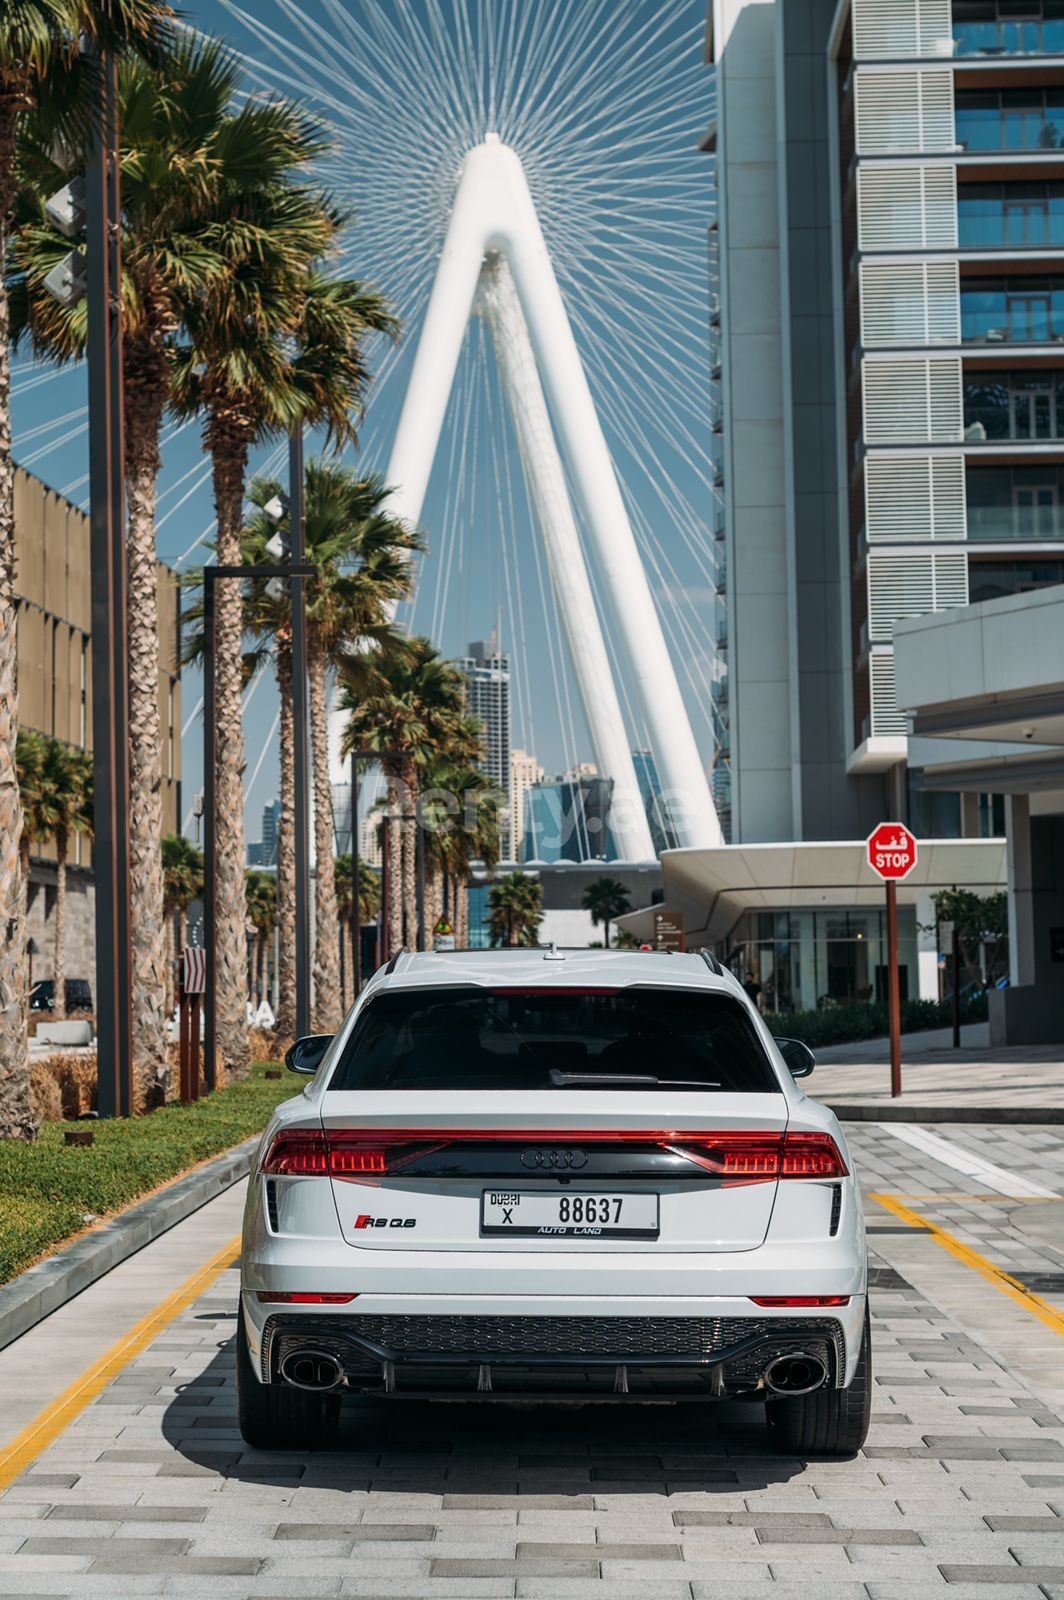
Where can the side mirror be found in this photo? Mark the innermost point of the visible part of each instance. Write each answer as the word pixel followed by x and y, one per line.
pixel 798 1056
pixel 305 1056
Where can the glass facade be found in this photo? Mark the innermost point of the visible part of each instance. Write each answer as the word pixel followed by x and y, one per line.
pixel 992 580
pixel 807 959
pixel 1010 216
pixel 1015 502
pixel 1008 27
pixel 1014 310
pixel 1013 405
pixel 1010 119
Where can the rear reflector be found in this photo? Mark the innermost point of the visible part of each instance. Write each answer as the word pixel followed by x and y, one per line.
pixel 800 1299
pixel 736 1156
pixel 271 1299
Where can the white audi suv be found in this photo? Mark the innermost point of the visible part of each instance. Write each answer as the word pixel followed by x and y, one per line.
pixel 583 1176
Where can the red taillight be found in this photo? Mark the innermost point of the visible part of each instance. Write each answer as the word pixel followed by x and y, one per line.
pixel 271 1299
pixel 735 1155
pixel 812 1155
pixel 800 1299
pixel 741 1157
pixel 297 1154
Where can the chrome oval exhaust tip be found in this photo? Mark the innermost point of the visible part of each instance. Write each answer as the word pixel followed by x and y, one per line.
pixel 316 1370
pixel 795 1373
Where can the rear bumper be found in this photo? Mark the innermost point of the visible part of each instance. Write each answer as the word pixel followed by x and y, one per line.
pixel 399 1345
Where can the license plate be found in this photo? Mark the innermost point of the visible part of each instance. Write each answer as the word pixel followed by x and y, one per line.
pixel 529 1214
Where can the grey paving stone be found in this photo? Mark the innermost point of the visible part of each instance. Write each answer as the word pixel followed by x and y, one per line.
pixel 130 1560
pixel 695 1518
pixel 601 1552
pixel 85 1513
pixel 46 1545
pixel 995 1574
pixel 1047 1524
pixel 381 1531
pixel 879 1536
pixel 528 1566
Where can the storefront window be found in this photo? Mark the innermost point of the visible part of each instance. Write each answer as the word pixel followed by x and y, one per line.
pixel 805 960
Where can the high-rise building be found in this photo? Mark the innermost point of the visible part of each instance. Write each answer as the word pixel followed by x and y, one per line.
pixel 525 770
pixel 487 673
pixel 369 839
pixel 662 832
pixel 891 414
pixel 567 818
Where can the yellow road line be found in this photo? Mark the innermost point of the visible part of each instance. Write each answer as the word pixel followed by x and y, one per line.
pixel 46 1427
pixel 1003 1282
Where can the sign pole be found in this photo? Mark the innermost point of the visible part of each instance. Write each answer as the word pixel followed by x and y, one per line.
pixel 894 988
pixel 955 944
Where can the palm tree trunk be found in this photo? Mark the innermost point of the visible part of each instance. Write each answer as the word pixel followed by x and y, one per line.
pixel 17 1120
pixel 286 852
pixel 229 452
pixel 151 1051
pixel 260 966
pixel 327 1012
pixel 410 826
pixel 394 908
pixel 170 915
pixel 606 936
pixel 461 895
pixel 62 845
pixel 433 896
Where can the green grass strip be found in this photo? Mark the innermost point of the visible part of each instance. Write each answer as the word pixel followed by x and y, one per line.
pixel 48 1190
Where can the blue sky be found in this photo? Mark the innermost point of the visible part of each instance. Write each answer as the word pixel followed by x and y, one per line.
pixel 605 103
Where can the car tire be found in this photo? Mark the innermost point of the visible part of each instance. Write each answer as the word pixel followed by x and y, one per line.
pixel 272 1416
pixel 828 1422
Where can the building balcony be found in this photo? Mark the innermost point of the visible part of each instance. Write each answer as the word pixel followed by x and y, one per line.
pixel 1020 407
pixel 1011 504
pixel 1011 121
pixel 1012 311
pixel 984 28
pixel 1010 216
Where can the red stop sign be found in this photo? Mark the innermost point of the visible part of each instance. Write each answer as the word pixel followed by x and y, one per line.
pixel 891 851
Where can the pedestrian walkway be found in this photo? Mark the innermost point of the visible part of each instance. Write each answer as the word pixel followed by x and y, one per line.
pixel 1014 1082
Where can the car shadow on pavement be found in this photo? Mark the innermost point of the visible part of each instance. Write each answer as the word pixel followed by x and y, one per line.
pixel 486 1449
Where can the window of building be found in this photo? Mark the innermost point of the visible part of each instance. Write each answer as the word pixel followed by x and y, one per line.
pixel 1013 405
pixel 932 815
pixel 805 960
pixel 1010 119
pixel 1008 27
pixel 1016 310
pixel 1010 216
pixel 1006 503
pixel 993 580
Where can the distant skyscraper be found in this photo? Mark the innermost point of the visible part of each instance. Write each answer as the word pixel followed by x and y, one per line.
pixel 369 839
pixel 646 775
pixel 487 673
pixel 525 770
pixel 264 853
pixel 566 818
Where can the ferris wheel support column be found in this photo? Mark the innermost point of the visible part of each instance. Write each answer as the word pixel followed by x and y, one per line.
pixel 565 557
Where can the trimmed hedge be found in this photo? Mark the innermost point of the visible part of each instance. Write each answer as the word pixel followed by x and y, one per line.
pixel 844 1024
pixel 49 1191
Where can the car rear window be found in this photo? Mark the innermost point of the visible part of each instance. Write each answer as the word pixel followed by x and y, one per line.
pixel 568 1040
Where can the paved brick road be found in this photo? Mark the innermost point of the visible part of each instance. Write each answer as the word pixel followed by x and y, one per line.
pixel 960 1491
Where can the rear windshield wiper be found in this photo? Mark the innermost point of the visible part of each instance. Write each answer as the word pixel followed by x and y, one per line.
pixel 589 1080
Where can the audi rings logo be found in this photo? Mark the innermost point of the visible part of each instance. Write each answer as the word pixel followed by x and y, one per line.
pixel 554 1160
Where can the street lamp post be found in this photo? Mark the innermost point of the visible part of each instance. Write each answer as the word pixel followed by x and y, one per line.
pixel 211 576
pixel 110 689
pixel 356 757
pixel 297 530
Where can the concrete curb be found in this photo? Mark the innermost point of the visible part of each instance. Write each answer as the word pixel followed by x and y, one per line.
pixel 36 1293
pixel 892 1111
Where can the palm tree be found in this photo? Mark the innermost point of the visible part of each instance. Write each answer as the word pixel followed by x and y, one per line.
pixel 515 907
pixel 363 559
pixel 407 705
pixel 261 897
pixel 274 345
pixel 182 883
pixel 40 41
pixel 187 150
pixel 606 899
pixel 460 818
pixel 68 778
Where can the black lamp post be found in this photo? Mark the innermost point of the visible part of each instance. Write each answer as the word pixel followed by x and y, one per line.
pixel 211 576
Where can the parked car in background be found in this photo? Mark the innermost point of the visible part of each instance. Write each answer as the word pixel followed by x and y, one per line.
pixel 78 995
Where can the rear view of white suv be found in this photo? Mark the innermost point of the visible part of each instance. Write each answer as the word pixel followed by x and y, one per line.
pixel 586 1176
